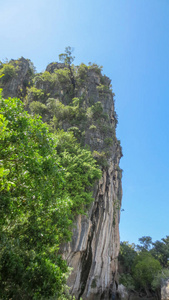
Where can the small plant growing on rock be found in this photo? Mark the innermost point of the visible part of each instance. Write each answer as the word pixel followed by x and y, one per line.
pixel 8 71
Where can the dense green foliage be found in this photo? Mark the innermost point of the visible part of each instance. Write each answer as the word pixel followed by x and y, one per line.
pixel 8 71
pixel 144 269
pixel 80 171
pixel 144 266
pixel 159 278
pixel 76 118
pixel 127 256
pixel 160 251
pixel 45 180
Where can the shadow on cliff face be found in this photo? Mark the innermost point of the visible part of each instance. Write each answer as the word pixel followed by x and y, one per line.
pixel 86 265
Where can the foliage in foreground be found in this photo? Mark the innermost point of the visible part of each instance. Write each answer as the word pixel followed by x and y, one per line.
pixel 39 197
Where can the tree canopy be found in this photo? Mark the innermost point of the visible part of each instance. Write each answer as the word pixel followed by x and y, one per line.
pixel 67 57
pixel 143 267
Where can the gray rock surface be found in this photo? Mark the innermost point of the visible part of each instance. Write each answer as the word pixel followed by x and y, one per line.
pixel 94 249
pixel 16 86
pixel 93 252
pixel 165 290
pixel 124 295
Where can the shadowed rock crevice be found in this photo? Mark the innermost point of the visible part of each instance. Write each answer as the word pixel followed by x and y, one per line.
pixel 86 265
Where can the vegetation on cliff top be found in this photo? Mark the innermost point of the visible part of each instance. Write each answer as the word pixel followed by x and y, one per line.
pixel 68 97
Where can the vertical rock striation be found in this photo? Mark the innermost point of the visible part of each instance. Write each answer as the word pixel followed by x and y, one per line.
pixel 94 248
pixel 93 252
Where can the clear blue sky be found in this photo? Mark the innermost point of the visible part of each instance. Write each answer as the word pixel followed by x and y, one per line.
pixel 130 39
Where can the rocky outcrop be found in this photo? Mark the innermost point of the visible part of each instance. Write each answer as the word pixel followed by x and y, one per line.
pixel 54 66
pixel 93 252
pixel 16 85
pixel 123 292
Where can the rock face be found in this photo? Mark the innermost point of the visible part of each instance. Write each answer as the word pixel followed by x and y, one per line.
pixel 124 295
pixel 93 251
pixel 16 85
pixel 165 290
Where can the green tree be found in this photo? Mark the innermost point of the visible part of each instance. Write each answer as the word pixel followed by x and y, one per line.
pixel 8 71
pixel 144 270
pixel 67 58
pixel 33 219
pixel 146 243
pixel 160 251
pixel 37 199
pixel 81 171
pixel 127 256
pixel 128 281
pixel 159 278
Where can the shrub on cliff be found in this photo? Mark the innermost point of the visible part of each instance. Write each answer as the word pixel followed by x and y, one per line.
pixel 80 171
pixel 8 71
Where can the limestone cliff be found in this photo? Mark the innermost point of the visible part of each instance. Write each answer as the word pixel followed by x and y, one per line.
pixel 17 76
pixel 94 248
pixel 93 251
